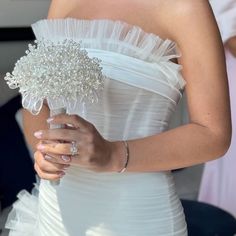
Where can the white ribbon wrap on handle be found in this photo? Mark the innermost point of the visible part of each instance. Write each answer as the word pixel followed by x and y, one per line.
pixel 56 126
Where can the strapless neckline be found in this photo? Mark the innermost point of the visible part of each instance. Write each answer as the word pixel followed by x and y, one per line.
pixel 128 54
pixel 125 24
pixel 111 35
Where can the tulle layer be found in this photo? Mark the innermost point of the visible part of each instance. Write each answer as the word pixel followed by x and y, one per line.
pixel 110 35
pixel 23 219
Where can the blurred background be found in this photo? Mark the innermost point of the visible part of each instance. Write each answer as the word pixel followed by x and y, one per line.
pixel 215 187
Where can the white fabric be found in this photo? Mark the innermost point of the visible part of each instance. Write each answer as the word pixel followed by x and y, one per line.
pixel 225 12
pixel 139 98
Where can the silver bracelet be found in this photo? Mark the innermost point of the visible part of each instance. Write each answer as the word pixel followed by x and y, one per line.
pixel 126 156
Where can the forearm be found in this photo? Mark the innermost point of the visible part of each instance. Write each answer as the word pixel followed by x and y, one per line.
pixel 32 123
pixel 181 147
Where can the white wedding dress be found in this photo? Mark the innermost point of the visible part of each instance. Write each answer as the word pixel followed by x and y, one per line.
pixel 138 100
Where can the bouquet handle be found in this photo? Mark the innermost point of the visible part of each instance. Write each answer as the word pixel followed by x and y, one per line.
pixel 53 126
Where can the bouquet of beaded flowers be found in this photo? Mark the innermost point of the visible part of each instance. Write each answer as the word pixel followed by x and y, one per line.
pixel 60 73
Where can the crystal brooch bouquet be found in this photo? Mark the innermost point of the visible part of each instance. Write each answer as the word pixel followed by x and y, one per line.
pixel 60 73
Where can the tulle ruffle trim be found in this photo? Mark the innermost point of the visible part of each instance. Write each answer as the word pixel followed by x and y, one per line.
pixel 22 220
pixel 110 35
pixel 35 104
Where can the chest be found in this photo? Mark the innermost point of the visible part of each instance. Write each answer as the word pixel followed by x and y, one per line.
pixel 146 14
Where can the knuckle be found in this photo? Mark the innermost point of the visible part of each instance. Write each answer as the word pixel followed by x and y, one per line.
pixel 75 117
pixel 58 117
pixel 90 137
pixel 92 161
pixel 91 128
pixel 91 149
pixel 65 149
pixel 85 159
pixel 64 132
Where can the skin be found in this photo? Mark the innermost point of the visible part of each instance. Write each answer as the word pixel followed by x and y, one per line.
pixel 231 45
pixel 205 138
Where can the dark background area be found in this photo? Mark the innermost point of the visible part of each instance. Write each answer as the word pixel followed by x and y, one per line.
pixel 16 169
pixel 16 34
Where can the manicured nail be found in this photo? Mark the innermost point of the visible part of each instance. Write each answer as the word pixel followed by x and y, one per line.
pixel 62 174
pixel 50 119
pixel 47 157
pixel 38 134
pixel 66 168
pixel 65 158
pixel 41 146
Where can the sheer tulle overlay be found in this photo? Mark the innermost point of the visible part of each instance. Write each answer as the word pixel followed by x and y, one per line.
pixel 140 96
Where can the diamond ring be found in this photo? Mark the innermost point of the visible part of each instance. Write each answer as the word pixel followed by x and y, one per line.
pixel 73 149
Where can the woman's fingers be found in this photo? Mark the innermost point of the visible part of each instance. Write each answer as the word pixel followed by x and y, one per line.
pixel 58 134
pixel 46 164
pixel 48 175
pixel 64 149
pixel 74 120
pixel 60 159
pixel 82 144
pixel 47 169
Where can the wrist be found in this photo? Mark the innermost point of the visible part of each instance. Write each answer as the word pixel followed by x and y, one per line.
pixel 118 156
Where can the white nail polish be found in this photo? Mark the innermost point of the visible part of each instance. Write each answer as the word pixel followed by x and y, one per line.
pixel 50 119
pixel 62 174
pixel 65 158
pixel 47 157
pixel 38 134
pixel 65 168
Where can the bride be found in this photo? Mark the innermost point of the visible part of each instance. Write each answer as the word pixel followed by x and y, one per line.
pixel 115 164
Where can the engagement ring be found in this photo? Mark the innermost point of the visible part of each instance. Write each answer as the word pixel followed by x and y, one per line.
pixel 74 149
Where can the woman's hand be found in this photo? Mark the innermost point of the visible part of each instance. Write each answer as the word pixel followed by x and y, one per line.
pixel 48 167
pixel 55 148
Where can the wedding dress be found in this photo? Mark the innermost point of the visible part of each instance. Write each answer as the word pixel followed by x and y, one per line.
pixel 139 98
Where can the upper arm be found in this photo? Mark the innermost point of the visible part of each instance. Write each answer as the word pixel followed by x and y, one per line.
pixel 196 33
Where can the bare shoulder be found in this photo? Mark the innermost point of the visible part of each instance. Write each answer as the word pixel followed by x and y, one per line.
pixel 60 8
pixel 184 14
pixel 187 7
